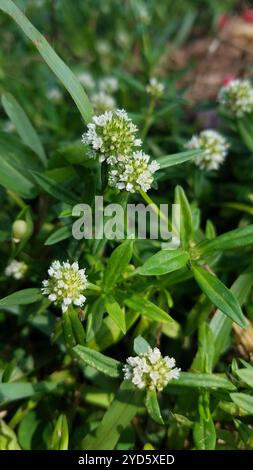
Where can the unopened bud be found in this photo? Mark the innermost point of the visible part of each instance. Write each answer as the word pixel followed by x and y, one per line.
pixel 19 230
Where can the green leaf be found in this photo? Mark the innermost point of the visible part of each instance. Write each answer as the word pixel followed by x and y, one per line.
pixel 76 325
pixel 110 333
pixel 23 125
pixel 68 333
pixel 163 262
pixel 8 438
pixel 118 416
pixel 204 432
pixel 54 189
pixel 246 375
pixel 220 324
pixel 147 309
pixel 177 158
pixel 115 312
pixel 243 401
pixel 60 69
pixel 203 360
pixel 16 391
pixel 152 406
pixel 219 294
pixel 59 235
pixel 9 369
pixel 246 130
pixel 117 264
pixel 95 359
pixel 22 297
pixel 141 346
pixel 16 161
pixel 245 432
pixel 27 430
pixel 237 238
pixel 210 230
pixel 60 438
pixel 198 380
pixel 186 225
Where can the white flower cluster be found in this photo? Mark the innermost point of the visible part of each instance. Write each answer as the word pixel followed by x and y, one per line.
pixel 237 97
pixel 155 88
pixel 16 269
pixel 151 370
pixel 102 102
pixel 108 84
pixel 86 79
pixel 101 98
pixel 133 173
pixel 65 284
pixel 54 94
pixel 112 134
pixel 214 146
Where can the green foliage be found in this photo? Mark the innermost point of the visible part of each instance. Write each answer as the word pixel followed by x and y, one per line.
pixel 65 378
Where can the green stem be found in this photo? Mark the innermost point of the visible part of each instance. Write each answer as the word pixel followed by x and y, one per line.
pixel 149 116
pixel 156 209
pixel 151 203
pixel 15 198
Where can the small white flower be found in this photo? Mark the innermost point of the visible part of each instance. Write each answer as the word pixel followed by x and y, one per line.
pixel 155 88
pixel 237 97
pixel 111 134
pixel 133 172
pixel 108 84
pixel 102 102
pixel 65 284
pixel 16 269
pixel 54 94
pixel 214 146
pixel 86 79
pixel 151 370
pixel 103 47
pixel 123 38
pixel 143 13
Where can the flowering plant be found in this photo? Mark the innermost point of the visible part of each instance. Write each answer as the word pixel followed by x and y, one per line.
pixel 117 331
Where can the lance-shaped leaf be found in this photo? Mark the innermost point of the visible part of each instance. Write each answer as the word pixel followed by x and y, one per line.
pixel 220 324
pixel 147 309
pixel 16 162
pixel 246 375
pixel 117 264
pixel 246 129
pixel 177 158
pixel 99 361
pixel 60 438
pixel 23 125
pixel 163 262
pixel 237 238
pixel 118 416
pixel 204 432
pixel 219 294
pixel 54 189
pixel 115 312
pixel 16 391
pixel 243 401
pixel 59 235
pixel 152 406
pixel 186 224
pixel 60 69
pixel 22 297
pixel 199 380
